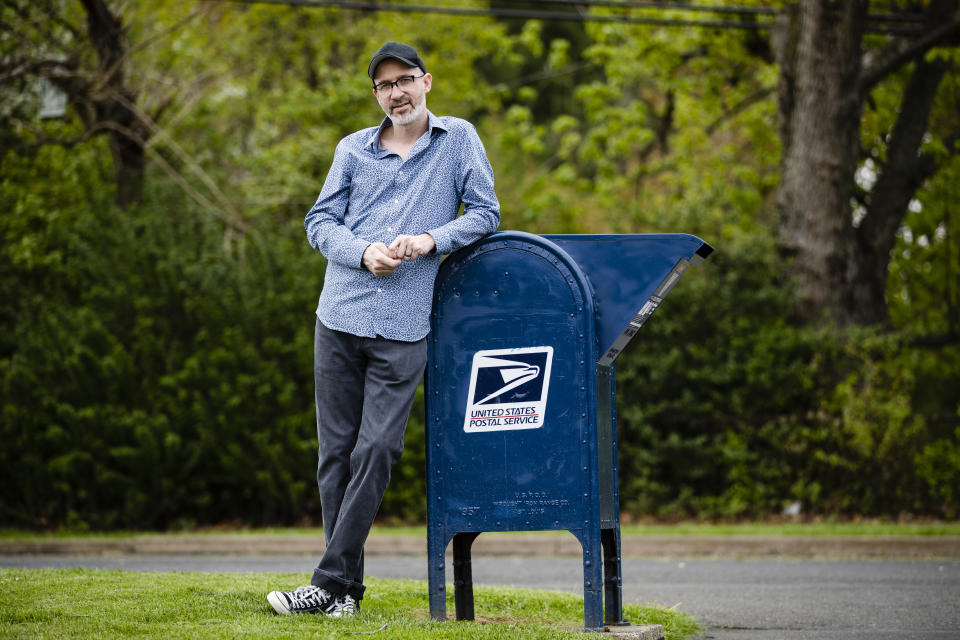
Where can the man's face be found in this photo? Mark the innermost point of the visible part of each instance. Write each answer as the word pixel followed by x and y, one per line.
pixel 407 105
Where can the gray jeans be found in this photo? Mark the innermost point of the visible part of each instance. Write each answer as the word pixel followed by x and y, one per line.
pixel 364 390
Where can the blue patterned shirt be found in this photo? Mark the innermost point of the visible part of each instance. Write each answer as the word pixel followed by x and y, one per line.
pixel 372 195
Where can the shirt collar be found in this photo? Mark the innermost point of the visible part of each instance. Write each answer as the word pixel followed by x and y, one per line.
pixel 433 122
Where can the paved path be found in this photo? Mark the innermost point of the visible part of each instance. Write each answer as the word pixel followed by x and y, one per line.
pixel 735 599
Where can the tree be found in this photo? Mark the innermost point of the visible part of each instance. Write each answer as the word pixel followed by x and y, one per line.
pixel 87 56
pixel 840 261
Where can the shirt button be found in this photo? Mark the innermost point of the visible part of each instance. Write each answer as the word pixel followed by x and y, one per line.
pixel 389 228
pixel 395 201
pixel 379 290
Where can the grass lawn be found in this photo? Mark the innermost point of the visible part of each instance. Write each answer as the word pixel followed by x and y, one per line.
pixel 73 603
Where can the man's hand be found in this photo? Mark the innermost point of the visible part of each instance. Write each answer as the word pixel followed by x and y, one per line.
pixel 378 259
pixel 412 247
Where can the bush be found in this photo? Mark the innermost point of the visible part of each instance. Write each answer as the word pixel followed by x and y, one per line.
pixel 151 376
pixel 155 375
pixel 727 409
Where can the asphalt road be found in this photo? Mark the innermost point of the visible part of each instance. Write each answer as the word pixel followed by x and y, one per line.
pixel 734 599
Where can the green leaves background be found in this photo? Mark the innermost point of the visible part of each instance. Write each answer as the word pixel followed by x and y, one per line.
pixel 156 362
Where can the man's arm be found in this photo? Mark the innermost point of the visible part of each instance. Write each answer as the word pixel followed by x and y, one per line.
pixel 326 231
pixel 481 209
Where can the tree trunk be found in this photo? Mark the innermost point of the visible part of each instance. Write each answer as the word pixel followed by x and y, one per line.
pixel 900 176
pixel 114 104
pixel 820 120
pixel 129 169
pixel 840 265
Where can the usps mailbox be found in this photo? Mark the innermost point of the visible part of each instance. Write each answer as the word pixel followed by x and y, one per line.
pixel 520 395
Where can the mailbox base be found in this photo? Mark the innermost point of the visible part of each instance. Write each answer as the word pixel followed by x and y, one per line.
pixel 602 607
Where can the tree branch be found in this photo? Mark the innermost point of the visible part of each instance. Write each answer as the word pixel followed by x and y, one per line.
pixel 12 69
pixel 203 8
pixel 738 108
pixel 194 92
pixel 146 42
pixel 156 131
pixel 902 52
pixel 106 33
pixel 905 168
pixel 43 139
pixel 232 222
pixel 164 103
pixel 927 164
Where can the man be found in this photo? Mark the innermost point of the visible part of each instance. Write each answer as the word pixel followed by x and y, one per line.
pixel 384 218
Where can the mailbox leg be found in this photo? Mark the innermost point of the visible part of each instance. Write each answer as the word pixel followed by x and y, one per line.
pixel 437 578
pixel 463 574
pixel 592 579
pixel 612 578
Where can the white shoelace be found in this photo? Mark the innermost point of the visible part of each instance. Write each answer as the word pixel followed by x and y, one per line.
pixel 345 606
pixel 309 596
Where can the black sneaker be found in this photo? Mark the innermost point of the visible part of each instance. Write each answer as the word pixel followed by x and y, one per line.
pixel 309 599
pixel 344 607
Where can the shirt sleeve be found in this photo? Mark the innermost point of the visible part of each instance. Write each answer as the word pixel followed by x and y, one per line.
pixel 324 223
pixel 481 209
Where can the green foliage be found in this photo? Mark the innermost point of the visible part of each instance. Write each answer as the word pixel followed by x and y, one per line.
pixel 938 465
pixel 150 377
pixel 715 383
pixel 156 362
pixel 727 409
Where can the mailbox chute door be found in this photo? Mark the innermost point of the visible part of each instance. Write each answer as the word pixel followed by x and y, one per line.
pixel 630 275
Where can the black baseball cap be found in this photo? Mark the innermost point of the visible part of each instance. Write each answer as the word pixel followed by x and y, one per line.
pixel 398 51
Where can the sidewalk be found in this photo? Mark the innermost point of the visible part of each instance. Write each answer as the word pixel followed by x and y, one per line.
pixel 501 544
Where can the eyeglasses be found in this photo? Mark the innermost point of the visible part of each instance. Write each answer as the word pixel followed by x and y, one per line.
pixel 403 82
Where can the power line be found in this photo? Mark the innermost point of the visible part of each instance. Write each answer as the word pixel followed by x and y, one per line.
pixel 541 14
pixel 677 6
pixel 504 13
pixel 631 4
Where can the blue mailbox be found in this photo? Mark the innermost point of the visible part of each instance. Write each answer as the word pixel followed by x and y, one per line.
pixel 520 395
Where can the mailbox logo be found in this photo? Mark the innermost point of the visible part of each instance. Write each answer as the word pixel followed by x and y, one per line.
pixel 508 389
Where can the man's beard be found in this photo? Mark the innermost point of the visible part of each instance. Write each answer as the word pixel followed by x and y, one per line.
pixel 416 110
